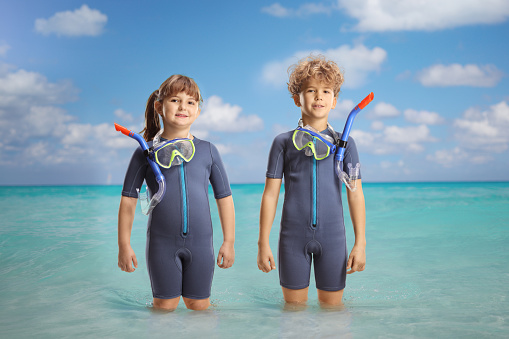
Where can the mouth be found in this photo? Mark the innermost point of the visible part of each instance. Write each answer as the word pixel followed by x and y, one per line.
pixel 180 115
pixel 318 106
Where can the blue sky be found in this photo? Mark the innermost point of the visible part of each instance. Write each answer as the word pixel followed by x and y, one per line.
pixel 438 69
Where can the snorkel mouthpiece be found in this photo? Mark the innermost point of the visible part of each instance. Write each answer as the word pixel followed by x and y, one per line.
pixel 151 202
pixel 349 179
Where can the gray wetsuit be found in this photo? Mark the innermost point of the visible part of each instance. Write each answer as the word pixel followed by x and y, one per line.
pixel 179 253
pixel 312 223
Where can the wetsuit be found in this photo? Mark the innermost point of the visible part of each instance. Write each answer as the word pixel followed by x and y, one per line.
pixel 180 253
pixel 312 224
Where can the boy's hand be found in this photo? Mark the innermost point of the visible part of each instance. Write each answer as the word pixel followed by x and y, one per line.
pixel 356 260
pixel 265 259
pixel 226 255
pixel 126 258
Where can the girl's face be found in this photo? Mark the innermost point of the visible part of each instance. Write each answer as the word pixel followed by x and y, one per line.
pixel 178 111
pixel 316 99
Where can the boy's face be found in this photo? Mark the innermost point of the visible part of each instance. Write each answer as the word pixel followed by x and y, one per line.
pixel 316 99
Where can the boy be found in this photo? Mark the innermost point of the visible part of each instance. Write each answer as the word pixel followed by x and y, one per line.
pixel 312 224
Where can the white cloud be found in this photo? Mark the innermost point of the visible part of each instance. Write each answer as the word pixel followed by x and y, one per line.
pixel 458 157
pixel 430 15
pixel 82 22
pixel 459 75
pixel 358 63
pixel 36 129
pixel 23 87
pixel 423 117
pixel 484 130
pixel 3 49
pixel 279 11
pixel 377 125
pixel 342 109
pixel 384 110
pixel 224 117
pixel 393 139
pixel 123 115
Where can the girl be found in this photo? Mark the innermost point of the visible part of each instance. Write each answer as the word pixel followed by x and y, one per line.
pixel 179 252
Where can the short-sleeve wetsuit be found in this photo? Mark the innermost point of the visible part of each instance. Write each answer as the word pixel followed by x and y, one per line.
pixel 179 252
pixel 312 223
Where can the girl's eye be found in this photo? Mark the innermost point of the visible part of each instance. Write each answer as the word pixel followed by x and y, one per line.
pixel 174 100
pixel 191 102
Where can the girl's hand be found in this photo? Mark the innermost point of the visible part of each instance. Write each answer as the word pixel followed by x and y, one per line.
pixel 356 260
pixel 265 259
pixel 226 255
pixel 126 258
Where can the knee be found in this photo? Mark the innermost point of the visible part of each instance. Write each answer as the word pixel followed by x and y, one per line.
pixel 166 305
pixel 197 304
pixel 330 299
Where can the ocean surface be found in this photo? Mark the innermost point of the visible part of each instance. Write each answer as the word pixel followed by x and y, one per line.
pixel 437 267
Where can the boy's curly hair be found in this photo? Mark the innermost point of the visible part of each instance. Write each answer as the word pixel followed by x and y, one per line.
pixel 317 67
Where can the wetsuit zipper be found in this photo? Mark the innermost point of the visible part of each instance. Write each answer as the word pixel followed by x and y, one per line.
pixel 184 199
pixel 314 179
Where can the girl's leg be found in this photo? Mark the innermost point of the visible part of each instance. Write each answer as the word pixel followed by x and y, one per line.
pixel 166 304
pixel 330 298
pixel 197 304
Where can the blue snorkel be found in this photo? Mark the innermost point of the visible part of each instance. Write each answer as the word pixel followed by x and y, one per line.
pixel 354 171
pixel 158 196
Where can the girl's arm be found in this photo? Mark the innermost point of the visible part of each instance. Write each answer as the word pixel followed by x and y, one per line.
pixel 268 208
pixel 356 205
pixel 126 256
pixel 226 255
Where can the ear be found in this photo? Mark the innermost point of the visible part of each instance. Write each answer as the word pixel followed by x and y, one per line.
pixel 296 99
pixel 158 107
pixel 199 111
pixel 334 102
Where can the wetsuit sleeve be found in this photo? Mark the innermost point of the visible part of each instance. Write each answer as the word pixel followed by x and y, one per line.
pixel 275 166
pixel 135 174
pixel 218 178
pixel 351 156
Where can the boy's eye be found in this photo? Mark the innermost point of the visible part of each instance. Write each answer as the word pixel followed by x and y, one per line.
pixel 191 102
pixel 174 100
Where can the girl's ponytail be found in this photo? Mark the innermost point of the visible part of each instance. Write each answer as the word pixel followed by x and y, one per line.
pixel 152 122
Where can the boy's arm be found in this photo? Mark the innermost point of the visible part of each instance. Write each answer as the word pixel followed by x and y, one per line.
pixel 126 256
pixel 267 214
pixel 356 205
pixel 226 255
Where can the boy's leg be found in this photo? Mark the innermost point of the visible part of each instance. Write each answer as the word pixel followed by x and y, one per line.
pixel 197 304
pixel 166 304
pixel 330 298
pixel 295 296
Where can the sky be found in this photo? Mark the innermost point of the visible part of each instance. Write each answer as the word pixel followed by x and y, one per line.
pixel 438 70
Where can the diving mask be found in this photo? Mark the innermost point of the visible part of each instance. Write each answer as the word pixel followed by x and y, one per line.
pixel 313 142
pixel 168 153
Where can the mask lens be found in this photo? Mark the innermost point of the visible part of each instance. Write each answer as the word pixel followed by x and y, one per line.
pixel 313 144
pixel 174 152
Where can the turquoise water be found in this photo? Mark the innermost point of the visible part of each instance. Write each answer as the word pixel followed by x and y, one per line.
pixel 437 267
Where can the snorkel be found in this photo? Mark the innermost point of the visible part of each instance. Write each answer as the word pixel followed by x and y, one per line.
pixel 158 196
pixel 350 178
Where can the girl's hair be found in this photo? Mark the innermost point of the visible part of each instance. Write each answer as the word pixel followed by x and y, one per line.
pixel 172 86
pixel 314 67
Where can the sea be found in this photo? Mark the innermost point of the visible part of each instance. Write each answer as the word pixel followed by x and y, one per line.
pixel 437 267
